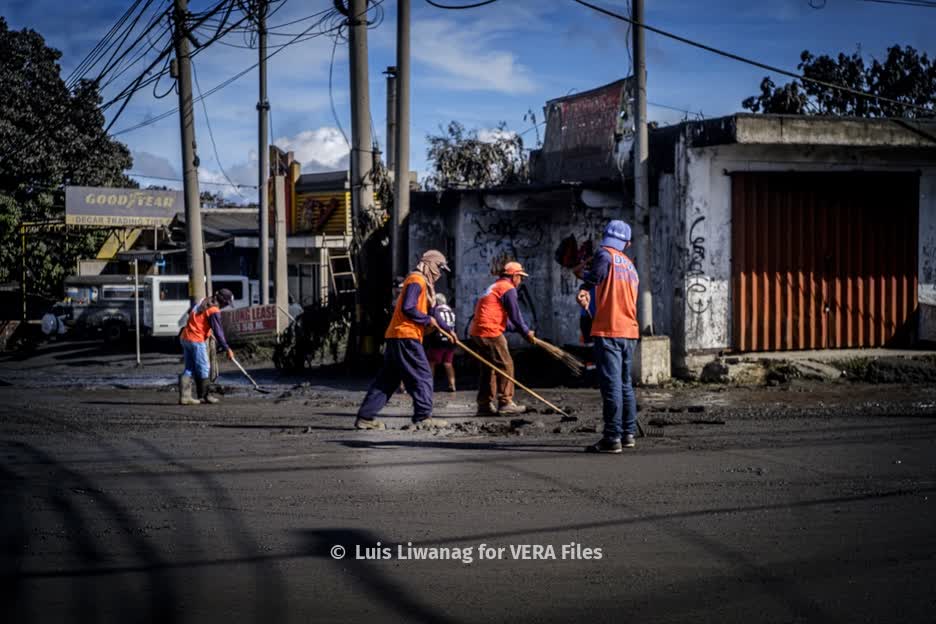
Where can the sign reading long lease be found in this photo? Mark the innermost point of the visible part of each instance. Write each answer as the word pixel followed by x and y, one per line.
pixel 119 207
pixel 252 322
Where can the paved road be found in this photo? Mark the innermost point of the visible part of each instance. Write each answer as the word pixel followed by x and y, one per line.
pixel 118 506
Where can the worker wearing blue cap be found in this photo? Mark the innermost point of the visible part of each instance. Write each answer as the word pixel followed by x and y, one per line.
pixel 615 332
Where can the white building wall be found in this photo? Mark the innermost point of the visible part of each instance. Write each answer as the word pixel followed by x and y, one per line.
pixel 703 190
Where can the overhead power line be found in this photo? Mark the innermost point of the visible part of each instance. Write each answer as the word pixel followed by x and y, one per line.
pixel 237 76
pixel 152 177
pixel 460 6
pixel 737 57
pixel 214 146
pixel 913 3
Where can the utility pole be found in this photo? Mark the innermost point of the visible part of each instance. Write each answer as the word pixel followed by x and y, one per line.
pixel 263 155
pixel 362 158
pixel 195 252
pixel 391 117
pixel 391 163
pixel 401 179
pixel 279 247
pixel 641 178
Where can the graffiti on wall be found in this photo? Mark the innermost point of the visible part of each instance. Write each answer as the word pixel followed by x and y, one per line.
pixel 505 235
pixel 498 237
pixel 695 271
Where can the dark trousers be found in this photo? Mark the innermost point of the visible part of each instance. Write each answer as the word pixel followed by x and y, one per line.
pixel 493 387
pixel 404 359
pixel 619 403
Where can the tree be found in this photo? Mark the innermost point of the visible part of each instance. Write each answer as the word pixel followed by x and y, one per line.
pixel 461 159
pixel 50 136
pixel 905 75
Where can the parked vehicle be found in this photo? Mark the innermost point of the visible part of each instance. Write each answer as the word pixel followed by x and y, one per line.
pixel 104 304
pixel 94 304
pixel 165 300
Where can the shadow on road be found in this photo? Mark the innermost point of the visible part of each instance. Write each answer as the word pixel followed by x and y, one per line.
pixel 101 537
pixel 368 577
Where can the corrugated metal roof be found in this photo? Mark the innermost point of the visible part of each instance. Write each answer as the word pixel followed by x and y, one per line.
pixel 324 181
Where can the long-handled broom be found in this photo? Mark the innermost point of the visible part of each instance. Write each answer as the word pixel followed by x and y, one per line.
pixel 575 365
pixel 496 369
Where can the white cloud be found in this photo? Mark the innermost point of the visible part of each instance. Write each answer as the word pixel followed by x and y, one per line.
pixel 490 135
pixel 145 163
pixel 321 149
pixel 466 59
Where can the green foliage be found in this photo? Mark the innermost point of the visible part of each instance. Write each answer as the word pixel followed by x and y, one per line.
pixel 50 136
pixel 460 159
pixel 905 75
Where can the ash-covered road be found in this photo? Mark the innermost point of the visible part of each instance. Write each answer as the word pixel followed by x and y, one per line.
pixel 811 503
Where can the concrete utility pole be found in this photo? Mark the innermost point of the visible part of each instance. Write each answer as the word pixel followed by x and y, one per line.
pixel 401 179
pixel 391 164
pixel 391 117
pixel 362 157
pixel 263 155
pixel 641 179
pixel 279 247
pixel 195 253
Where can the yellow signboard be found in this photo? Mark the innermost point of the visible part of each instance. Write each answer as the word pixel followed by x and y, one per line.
pixel 327 212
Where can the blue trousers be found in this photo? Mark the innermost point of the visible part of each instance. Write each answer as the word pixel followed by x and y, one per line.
pixel 614 357
pixel 196 359
pixel 404 359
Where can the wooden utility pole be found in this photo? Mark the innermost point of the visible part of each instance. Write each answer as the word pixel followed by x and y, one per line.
pixel 401 179
pixel 195 250
pixel 641 178
pixel 263 156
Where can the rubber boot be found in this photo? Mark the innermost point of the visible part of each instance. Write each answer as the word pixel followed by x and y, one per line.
pixel 204 391
pixel 185 391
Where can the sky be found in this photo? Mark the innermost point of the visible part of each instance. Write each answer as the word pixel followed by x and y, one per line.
pixel 479 66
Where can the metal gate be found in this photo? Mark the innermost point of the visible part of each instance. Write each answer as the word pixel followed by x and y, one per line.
pixel 823 260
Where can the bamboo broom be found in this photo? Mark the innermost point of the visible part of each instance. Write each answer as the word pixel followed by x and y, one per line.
pixel 575 365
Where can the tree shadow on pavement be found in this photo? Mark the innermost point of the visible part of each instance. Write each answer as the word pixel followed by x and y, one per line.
pixel 68 492
pixel 370 577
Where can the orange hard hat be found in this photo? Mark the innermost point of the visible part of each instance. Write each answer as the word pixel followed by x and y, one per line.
pixel 514 268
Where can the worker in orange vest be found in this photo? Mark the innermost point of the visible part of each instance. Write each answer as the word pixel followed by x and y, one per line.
pixel 204 320
pixel 496 311
pixel 404 356
pixel 615 333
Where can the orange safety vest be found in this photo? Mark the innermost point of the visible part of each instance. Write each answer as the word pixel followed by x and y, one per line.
pixel 198 326
pixel 616 300
pixel 401 326
pixel 490 316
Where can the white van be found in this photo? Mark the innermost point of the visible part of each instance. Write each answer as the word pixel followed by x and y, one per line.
pixel 165 300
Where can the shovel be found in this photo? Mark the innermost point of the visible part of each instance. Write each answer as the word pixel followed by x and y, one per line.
pixel 251 379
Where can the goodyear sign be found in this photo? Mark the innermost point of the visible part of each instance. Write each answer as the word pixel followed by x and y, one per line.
pixel 116 207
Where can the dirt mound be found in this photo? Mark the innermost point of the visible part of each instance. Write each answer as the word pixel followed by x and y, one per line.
pixel 900 370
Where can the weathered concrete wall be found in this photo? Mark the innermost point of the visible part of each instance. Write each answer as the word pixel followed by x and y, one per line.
pixel 926 329
pixel 491 229
pixel 433 227
pixel 667 226
pixel 703 192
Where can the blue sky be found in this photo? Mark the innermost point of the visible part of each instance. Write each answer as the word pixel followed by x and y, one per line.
pixel 478 66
